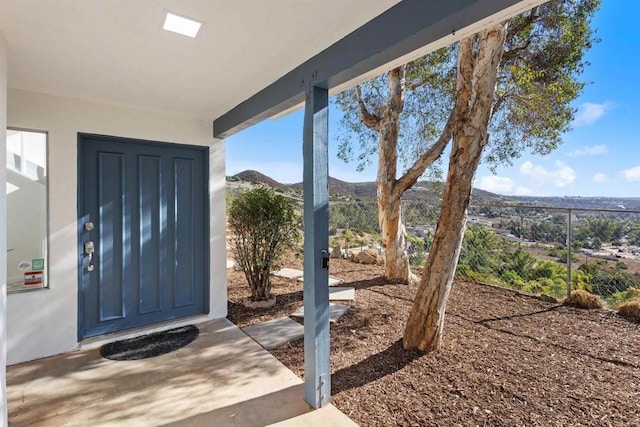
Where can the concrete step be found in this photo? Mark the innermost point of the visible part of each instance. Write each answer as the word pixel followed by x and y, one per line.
pixel 276 332
pixel 288 273
pixel 335 312
pixel 333 281
pixel 337 293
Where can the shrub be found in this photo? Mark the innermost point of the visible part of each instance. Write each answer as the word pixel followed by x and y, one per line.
pixel 618 298
pixel 512 278
pixel 630 309
pixel 264 224
pixel 621 265
pixel 583 299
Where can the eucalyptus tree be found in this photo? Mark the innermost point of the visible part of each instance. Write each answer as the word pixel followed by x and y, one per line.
pixel 514 81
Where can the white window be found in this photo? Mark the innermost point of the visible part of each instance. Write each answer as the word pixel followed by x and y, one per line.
pixel 26 210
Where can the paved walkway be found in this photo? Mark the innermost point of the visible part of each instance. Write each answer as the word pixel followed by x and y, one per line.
pixel 223 378
pixel 276 332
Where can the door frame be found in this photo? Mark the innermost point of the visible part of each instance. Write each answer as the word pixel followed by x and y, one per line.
pixel 81 220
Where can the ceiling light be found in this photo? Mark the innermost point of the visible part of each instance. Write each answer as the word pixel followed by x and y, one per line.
pixel 178 24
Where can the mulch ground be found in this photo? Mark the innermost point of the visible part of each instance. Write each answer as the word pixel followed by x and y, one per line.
pixel 507 359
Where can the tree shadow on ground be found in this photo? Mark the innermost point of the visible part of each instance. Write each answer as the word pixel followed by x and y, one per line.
pixel 515 316
pixel 542 342
pixel 374 367
pixel 369 283
pixel 388 295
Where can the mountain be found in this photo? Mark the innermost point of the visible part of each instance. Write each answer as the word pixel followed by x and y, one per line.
pixel 366 191
pixel 253 177
pixel 351 190
pixel 430 192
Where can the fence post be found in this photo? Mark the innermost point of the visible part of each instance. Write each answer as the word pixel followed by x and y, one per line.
pixel 569 244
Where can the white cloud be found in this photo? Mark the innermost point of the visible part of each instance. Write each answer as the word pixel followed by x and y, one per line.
pixel 503 185
pixel 562 176
pixel 600 178
pixel 496 184
pixel 348 173
pixel 589 113
pixel 523 191
pixel 632 175
pixel 589 150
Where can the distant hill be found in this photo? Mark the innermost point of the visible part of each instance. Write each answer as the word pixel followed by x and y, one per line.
pixel 253 177
pixel 341 190
pixel 611 203
pixel 352 190
pixel 430 192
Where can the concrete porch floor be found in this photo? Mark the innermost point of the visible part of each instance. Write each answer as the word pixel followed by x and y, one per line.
pixel 223 378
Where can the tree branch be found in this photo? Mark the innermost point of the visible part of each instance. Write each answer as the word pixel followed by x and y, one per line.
pixel 427 158
pixel 370 120
pixel 514 53
pixel 531 19
pixel 499 103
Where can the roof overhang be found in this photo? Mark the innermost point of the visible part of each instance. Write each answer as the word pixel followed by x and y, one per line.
pixel 251 59
pixel 117 52
pixel 406 31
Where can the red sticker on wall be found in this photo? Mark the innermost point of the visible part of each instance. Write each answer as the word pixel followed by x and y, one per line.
pixel 32 278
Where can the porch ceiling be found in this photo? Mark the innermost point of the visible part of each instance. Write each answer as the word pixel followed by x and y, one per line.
pixel 116 51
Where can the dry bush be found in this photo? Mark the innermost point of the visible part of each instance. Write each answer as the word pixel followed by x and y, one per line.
pixel 630 309
pixel 583 299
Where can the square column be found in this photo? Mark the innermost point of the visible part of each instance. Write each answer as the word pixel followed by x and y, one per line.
pixel 3 231
pixel 317 370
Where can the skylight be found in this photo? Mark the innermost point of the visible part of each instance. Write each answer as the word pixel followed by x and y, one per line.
pixel 178 24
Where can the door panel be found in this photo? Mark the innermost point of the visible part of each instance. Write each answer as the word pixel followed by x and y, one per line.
pixel 149 204
pixel 150 197
pixel 184 231
pixel 111 249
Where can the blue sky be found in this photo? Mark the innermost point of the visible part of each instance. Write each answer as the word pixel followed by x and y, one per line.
pixel 599 157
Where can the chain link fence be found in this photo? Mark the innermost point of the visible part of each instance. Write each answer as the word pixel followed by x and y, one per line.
pixel 354 226
pixel 537 249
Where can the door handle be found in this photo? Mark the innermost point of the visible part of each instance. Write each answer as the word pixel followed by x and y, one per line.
pixel 89 249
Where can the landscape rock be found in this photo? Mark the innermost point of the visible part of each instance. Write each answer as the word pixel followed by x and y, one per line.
pixel 337 252
pixel 249 303
pixel 368 257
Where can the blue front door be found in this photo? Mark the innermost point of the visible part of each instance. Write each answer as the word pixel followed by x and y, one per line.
pixel 143 206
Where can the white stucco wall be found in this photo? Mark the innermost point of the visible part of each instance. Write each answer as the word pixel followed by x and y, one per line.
pixel 3 230
pixel 42 323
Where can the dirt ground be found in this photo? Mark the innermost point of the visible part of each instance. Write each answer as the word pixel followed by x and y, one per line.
pixel 507 359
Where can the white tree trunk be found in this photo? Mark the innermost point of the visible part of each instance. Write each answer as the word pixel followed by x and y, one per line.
pixel 396 258
pixel 397 268
pixel 478 61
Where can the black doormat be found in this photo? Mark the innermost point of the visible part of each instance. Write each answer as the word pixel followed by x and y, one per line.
pixel 151 345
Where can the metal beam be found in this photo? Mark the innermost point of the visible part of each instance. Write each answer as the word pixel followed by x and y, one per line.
pixel 317 373
pixel 406 28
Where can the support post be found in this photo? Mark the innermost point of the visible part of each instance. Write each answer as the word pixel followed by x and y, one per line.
pixel 569 243
pixel 317 373
pixel 4 54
